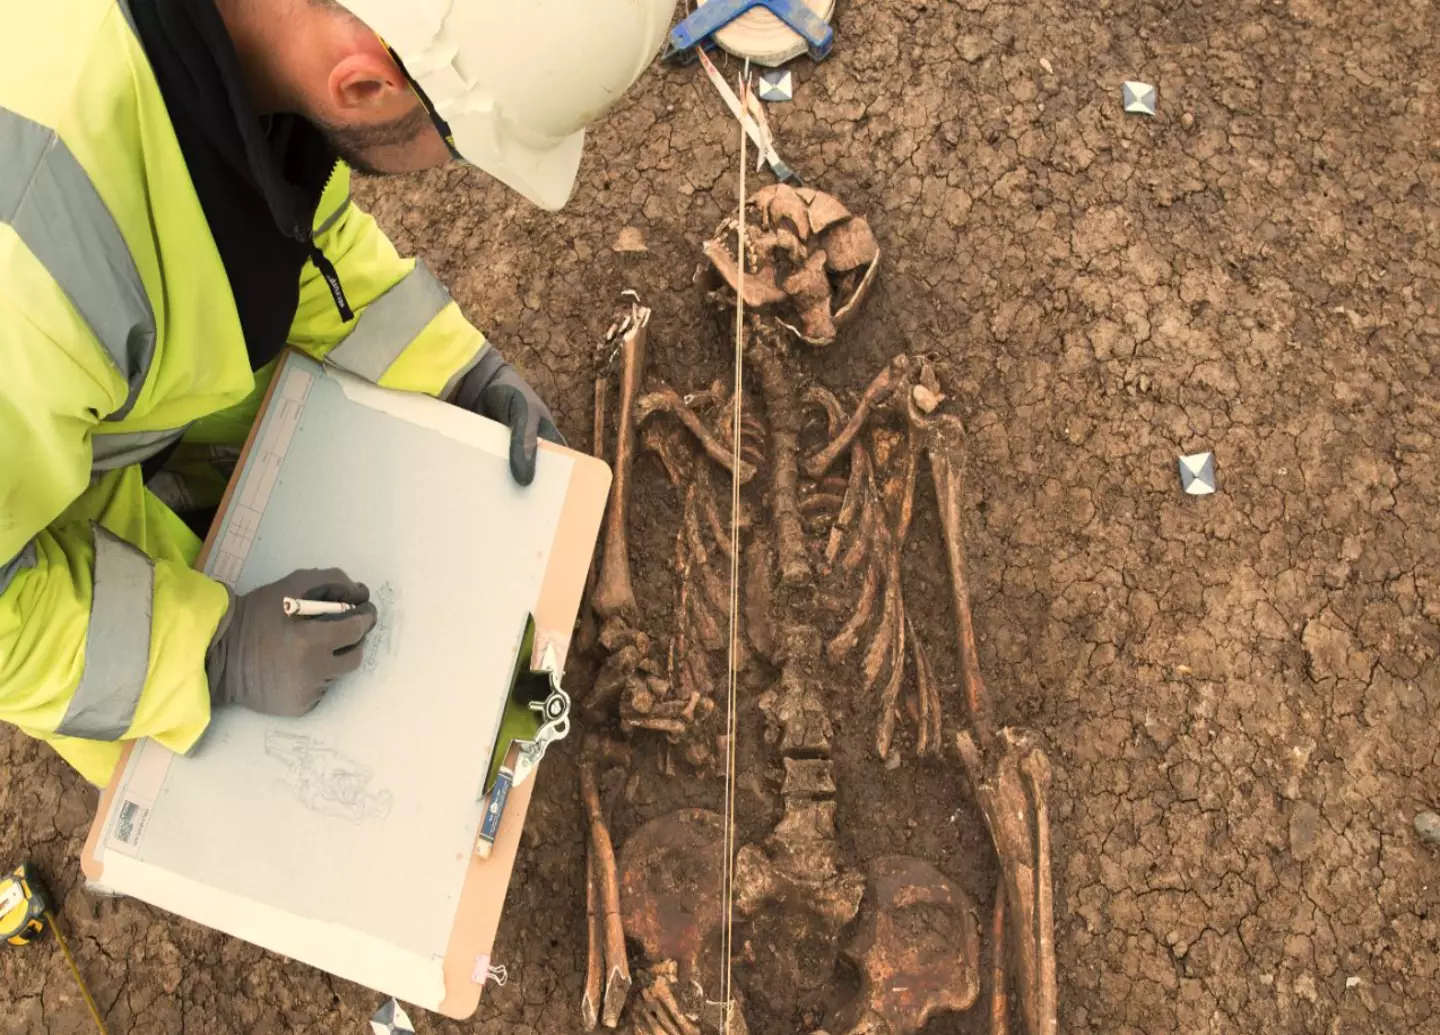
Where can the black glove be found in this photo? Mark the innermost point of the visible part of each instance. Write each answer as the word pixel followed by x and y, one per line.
pixel 272 663
pixel 494 389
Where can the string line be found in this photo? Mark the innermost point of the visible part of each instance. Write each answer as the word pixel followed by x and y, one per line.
pixel 728 928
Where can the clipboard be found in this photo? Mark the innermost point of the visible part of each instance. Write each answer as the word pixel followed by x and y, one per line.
pixel 450 984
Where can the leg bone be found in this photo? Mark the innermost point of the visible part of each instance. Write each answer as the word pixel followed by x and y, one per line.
pixel 999 980
pixel 589 624
pixel 617 964
pixel 595 960
pixel 614 591
pixel 1036 768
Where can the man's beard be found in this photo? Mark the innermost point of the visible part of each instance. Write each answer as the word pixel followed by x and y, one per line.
pixel 357 145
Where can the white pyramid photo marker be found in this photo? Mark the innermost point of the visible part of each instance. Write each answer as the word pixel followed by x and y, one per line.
pixel 391 1019
pixel 1197 474
pixel 1138 98
pixel 776 84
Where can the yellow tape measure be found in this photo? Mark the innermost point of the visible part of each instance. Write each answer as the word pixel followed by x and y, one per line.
pixel 24 914
pixel 23 906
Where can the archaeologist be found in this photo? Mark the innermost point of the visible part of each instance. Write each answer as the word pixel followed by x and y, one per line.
pixel 174 210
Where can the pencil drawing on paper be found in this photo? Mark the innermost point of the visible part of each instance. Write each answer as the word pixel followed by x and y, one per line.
pixel 326 781
pixel 384 639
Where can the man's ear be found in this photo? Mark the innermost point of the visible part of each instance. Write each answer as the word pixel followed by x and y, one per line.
pixel 367 85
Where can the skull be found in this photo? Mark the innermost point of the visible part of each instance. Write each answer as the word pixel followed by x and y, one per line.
pixel 809 263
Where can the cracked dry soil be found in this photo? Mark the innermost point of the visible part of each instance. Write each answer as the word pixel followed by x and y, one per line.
pixel 1239 692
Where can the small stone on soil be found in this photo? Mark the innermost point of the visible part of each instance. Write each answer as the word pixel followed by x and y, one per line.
pixel 1427 825
pixel 973 48
pixel 1304 830
pixel 629 240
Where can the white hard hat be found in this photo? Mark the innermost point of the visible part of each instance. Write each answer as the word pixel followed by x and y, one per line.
pixel 517 81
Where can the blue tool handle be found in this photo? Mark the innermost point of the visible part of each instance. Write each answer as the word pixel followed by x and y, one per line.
pixel 495 812
pixel 716 14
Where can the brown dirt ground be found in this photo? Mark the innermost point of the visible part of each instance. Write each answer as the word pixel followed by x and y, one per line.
pixel 1239 693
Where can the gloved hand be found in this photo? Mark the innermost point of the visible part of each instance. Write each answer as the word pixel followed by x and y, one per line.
pixel 494 389
pixel 275 664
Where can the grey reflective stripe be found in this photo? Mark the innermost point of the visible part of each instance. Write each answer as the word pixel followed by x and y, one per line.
pixel 117 645
pixel 390 323
pixel 47 196
pixel 123 448
pixel 333 218
pixel 15 565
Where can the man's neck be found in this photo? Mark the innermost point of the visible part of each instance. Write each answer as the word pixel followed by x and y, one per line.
pixel 252 25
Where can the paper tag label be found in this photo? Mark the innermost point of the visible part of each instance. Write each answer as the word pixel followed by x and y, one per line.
pixel 130 823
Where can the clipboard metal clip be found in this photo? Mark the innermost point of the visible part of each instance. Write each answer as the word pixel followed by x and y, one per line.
pixel 555 712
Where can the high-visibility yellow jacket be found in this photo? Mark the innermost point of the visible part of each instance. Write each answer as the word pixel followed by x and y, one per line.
pixel 119 335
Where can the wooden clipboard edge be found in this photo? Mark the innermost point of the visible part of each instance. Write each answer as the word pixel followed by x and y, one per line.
pixel 90 863
pixel 482 898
